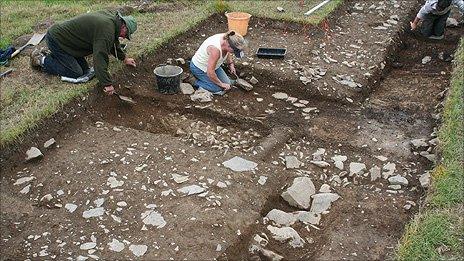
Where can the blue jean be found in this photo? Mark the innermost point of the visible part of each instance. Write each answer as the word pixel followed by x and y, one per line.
pixel 434 25
pixel 203 81
pixel 61 63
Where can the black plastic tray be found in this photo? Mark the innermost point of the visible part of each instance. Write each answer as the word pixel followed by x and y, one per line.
pixel 271 53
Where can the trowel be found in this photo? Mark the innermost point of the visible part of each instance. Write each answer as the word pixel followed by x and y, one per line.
pixel 242 83
pixel 124 99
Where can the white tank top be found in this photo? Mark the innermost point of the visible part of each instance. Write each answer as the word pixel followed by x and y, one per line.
pixel 200 59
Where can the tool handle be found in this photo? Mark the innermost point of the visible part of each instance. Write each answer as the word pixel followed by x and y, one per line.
pixel 18 51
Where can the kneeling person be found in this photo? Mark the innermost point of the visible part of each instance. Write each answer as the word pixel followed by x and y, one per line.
pixel 207 61
pixel 93 33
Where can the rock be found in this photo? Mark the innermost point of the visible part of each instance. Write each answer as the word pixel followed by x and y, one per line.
pixel 49 143
pixel 292 162
pixel 23 180
pixel 179 178
pixel 239 164
pixel 431 157
pixel 398 180
pixel 308 217
pixel 321 164
pixel 357 168
pixel 253 80
pixel 191 190
pixel 338 160
pixel 262 180
pixel 323 201
pixel 424 179
pixel 426 59
pixel 280 96
pixel 33 153
pixel 339 165
pixel 381 158
pixel 94 212
pixel 388 170
pixel 201 95
pixel 325 188
pixel 375 172
pixel 451 22
pixel 70 207
pixel 186 88
pixel 419 143
pixel 394 187
pixel 286 233
pixel 114 183
pixel 270 255
pixel 88 245
pixel 280 9
pixel 138 250
pixel 281 218
pixel 116 246
pixel 300 192
pixel 317 156
pixel 221 184
pixel 180 61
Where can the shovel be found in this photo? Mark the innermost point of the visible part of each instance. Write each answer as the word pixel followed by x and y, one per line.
pixel 242 83
pixel 35 40
pixel 125 99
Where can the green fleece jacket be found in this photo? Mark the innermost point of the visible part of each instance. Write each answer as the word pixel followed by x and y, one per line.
pixel 93 33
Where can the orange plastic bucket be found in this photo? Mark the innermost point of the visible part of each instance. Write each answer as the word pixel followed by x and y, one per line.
pixel 238 21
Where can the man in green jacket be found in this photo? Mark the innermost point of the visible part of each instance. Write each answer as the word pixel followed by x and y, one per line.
pixel 93 33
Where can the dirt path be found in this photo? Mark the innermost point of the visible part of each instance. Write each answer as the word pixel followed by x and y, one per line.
pixel 117 184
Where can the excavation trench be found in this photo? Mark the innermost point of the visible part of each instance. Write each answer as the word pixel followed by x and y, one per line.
pixel 171 134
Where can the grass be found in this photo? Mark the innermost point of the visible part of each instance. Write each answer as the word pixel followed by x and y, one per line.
pixel 437 233
pixel 27 96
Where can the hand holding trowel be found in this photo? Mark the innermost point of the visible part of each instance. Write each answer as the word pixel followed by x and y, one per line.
pixel 242 83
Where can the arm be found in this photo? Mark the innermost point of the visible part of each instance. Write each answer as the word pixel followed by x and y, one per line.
pixel 230 61
pixel 214 54
pixel 117 51
pixel 101 49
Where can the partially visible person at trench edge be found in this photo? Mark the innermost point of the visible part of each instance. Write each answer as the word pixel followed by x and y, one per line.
pixel 433 16
pixel 213 52
pixel 93 33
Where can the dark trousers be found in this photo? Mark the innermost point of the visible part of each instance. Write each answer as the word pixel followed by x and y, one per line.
pixel 61 63
pixel 434 25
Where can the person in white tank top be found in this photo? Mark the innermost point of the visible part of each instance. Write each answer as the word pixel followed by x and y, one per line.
pixel 213 52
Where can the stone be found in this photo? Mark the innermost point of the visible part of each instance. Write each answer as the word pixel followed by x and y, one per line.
pixel 186 88
pixel 23 180
pixel 394 187
pixel 270 255
pixel 388 170
pixel 49 143
pixel 262 180
pixel 431 157
pixel 33 154
pixel 426 59
pixel 114 183
pixel 292 162
pixel 253 80
pixel 281 218
pixel 321 164
pixel 88 245
pixel 322 202
pixel 191 190
pixel 153 218
pixel 300 192
pixel 221 184
pixel 419 143
pixel 116 246
pixel 94 212
pixel 280 96
pixel 381 158
pixel 375 172
pixel 239 164
pixel 286 233
pixel 138 250
pixel 179 179
pixel 398 180
pixel 70 207
pixel 317 156
pixel 201 95
pixel 357 168
pixel 280 9
pixel 308 217
pixel 424 179
pixel 339 158
pixel 325 188
pixel 451 22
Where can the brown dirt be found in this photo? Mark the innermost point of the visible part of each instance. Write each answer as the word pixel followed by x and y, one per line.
pixel 167 131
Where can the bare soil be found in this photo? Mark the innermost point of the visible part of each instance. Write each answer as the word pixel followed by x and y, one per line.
pixel 105 139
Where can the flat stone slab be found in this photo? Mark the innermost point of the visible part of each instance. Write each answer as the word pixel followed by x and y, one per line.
pixel 239 164
pixel 33 154
pixel 300 192
pixel 323 201
pixel 292 162
pixel 282 218
pixel 398 180
pixel 286 233
pixel 357 168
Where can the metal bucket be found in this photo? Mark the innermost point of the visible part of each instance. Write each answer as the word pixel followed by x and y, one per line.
pixel 168 78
